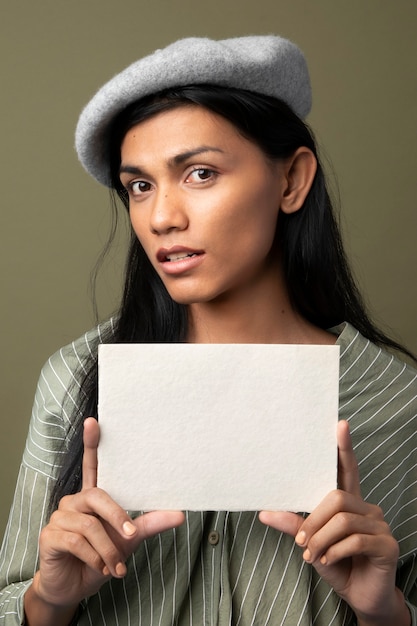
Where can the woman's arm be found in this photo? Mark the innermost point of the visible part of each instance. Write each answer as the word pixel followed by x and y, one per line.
pixel 350 545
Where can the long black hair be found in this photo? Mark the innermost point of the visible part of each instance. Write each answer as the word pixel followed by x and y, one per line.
pixel 317 274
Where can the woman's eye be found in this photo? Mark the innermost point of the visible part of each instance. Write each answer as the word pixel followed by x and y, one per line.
pixel 139 186
pixel 201 174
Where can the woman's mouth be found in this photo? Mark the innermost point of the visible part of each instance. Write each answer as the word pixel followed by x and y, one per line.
pixel 179 260
pixel 178 256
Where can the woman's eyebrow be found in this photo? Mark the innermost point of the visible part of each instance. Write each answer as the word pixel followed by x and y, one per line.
pixel 184 156
pixel 173 161
pixel 130 169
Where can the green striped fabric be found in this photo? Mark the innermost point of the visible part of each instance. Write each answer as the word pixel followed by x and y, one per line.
pixel 248 574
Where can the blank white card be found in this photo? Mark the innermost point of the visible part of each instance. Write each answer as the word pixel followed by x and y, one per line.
pixel 218 427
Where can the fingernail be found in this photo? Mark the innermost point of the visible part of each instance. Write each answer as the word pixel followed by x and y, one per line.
pixel 300 539
pixel 129 529
pixel 120 569
pixel 307 555
pixel 106 571
pixel 323 560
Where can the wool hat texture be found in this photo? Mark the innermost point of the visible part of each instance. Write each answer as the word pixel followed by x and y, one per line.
pixel 265 64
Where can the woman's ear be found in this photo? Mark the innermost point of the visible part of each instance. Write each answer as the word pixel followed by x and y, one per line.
pixel 300 170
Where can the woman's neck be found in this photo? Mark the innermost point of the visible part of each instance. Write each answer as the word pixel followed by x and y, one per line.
pixel 265 317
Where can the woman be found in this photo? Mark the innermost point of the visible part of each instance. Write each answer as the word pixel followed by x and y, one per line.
pixel 233 240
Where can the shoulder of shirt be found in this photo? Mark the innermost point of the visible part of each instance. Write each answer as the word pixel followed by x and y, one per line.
pixel 367 369
pixel 74 356
pixel 62 374
pixel 56 399
pixel 351 343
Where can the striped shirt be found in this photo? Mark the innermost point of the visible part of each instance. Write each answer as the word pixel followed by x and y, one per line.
pixel 223 568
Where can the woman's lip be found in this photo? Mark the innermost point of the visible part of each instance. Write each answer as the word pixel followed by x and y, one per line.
pixel 175 254
pixel 179 260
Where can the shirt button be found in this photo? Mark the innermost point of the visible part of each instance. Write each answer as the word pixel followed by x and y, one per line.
pixel 214 537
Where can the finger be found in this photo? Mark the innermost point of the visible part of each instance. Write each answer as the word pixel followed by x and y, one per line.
pixel 86 538
pixel 155 522
pixel 348 471
pixel 382 548
pixel 289 523
pixel 334 503
pixel 91 438
pixel 98 503
pixel 83 537
pixel 55 542
pixel 342 526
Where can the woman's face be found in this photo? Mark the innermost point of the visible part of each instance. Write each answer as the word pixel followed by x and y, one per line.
pixel 203 202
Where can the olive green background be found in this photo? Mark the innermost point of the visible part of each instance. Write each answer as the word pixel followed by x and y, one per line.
pixel 55 53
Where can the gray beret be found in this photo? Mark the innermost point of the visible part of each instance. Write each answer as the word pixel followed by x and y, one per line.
pixel 266 64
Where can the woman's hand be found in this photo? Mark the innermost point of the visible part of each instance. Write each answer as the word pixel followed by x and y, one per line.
pixel 89 537
pixel 350 545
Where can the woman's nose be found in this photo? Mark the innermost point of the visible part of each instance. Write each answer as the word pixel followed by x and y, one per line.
pixel 168 213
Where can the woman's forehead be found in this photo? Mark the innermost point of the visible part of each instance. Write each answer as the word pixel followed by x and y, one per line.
pixel 186 125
